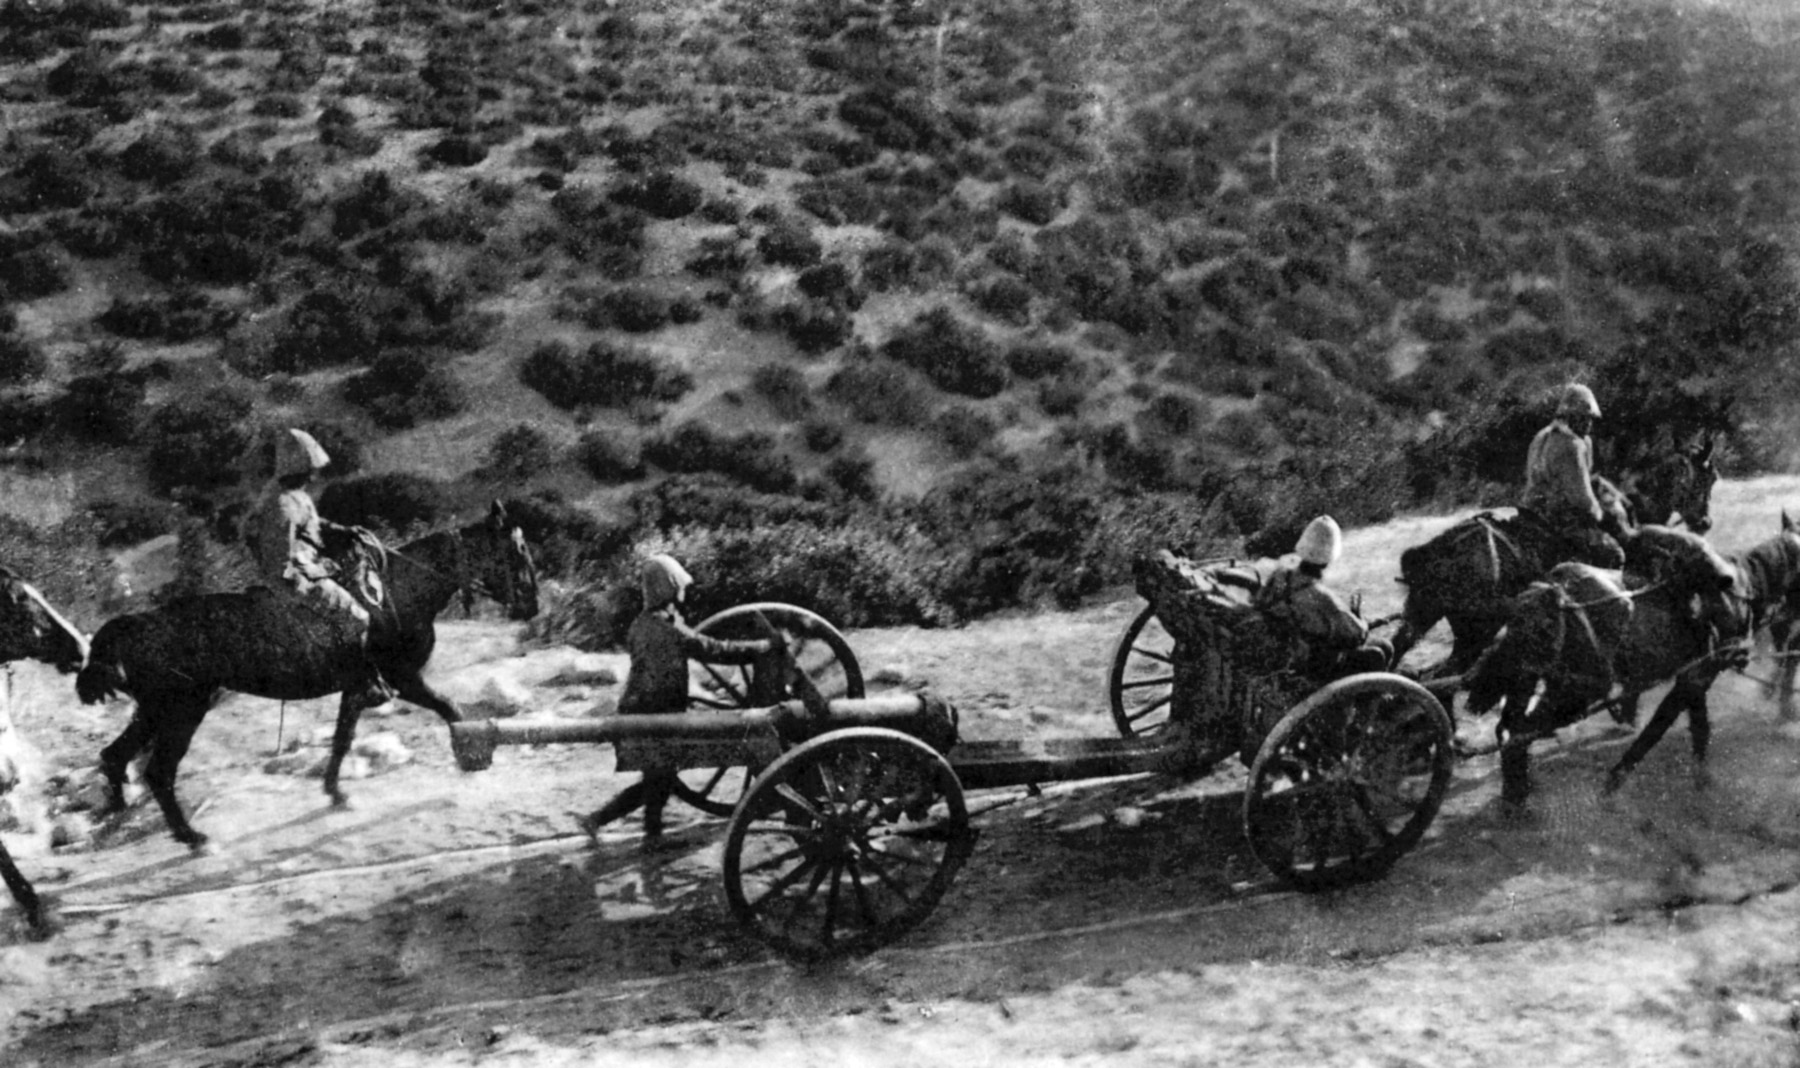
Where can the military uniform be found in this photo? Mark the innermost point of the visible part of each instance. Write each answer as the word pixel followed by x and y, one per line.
pixel 660 644
pixel 1559 484
pixel 1335 638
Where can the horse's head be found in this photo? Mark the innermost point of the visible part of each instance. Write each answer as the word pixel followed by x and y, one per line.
pixel 502 567
pixel 1679 558
pixel 32 630
pixel 1678 483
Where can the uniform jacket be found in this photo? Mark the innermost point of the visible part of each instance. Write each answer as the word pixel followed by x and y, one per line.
pixel 1314 610
pixel 661 645
pixel 1558 474
pixel 285 538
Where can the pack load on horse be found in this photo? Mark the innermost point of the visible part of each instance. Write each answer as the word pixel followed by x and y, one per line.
pixel 308 638
pixel 30 629
pixel 1679 611
pixel 1470 573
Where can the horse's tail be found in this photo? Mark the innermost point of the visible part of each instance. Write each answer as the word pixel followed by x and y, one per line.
pixel 103 676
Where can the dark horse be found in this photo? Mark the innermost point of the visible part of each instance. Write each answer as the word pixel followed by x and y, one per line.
pixel 29 630
pixel 1470 573
pixel 174 660
pixel 1583 631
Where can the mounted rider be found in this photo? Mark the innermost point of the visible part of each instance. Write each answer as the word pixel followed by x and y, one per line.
pixel 1335 637
pixel 287 538
pixel 1559 482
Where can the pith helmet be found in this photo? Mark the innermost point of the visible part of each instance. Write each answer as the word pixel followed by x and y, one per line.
pixel 663 578
pixel 1320 542
pixel 297 453
pixel 1577 399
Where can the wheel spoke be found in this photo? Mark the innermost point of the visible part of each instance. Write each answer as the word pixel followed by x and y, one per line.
pixel 780 884
pixel 827 935
pixel 788 792
pixel 1151 707
pixel 1146 683
pixel 1150 653
pixel 725 684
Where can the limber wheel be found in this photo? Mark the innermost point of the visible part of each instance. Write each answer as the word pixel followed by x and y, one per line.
pixel 1348 781
pixel 846 842
pixel 1141 682
pixel 820 651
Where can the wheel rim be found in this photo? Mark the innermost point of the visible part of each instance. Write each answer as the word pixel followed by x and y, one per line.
pixel 1346 785
pixel 820 650
pixel 846 843
pixel 1141 683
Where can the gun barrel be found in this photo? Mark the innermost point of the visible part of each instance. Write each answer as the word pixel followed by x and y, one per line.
pixel 474 741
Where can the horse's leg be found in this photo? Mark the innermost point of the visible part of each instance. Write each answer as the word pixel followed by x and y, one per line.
pixel 350 710
pixel 1700 737
pixel 171 744
pixel 115 758
pixel 1677 700
pixel 21 889
pixel 1784 675
pixel 1514 737
pixel 410 686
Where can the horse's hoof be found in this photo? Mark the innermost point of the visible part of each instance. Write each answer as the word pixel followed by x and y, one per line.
pixel 198 844
pixel 339 799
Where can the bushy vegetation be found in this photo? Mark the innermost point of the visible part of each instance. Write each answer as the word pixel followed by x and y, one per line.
pixel 602 375
pixel 1185 261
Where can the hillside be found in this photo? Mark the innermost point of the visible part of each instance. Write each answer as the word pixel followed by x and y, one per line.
pixel 1240 261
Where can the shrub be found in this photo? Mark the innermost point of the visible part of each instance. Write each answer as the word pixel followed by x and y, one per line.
pixel 30 270
pixel 610 457
pixel 164 155
pixel 405 387
pixel 180 316
pixel 199 442
pixel 54 177
pixel 853 574
pixel 854 476
pixel 1039 360
pixel 1032 202
pixel 784 387
pixel 663 194
pixel 603 375
pixel 325 328
pixel 394 501
pixel 1004 297
pixel 880 391
pixel 965 430
pixel 101 407
pixel 457 151
pixel 130 522
pixel 21 360
pixel 789 243
pixel 750 457
pixel 636 309
pixel 520 451
pixel 822 435
pixel 814 327
pixel 958 357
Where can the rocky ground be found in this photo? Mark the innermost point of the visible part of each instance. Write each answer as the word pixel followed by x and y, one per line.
pixel 448 918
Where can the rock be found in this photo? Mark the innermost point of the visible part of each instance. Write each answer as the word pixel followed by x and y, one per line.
pixel 71 829
pixel 604 705
pixel 383 750
pixel 1128 817
pixel 585 669
pixel 501 698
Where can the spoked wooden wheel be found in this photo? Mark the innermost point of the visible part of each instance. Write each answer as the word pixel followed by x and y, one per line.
pixel 1141 682
pixel 820 651
pixel 1348 781
pixel 846 842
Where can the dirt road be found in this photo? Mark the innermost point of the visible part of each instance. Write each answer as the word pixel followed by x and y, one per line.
pixel 449 918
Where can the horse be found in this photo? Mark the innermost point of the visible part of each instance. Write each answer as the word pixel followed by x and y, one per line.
pixel 1470 573
pixel 1582 630
pixel 30 629
pixel 173 660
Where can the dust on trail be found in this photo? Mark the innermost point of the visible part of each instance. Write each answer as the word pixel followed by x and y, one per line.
pixel 447 918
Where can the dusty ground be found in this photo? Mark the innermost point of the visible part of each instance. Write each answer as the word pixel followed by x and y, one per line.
pixel 448 918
